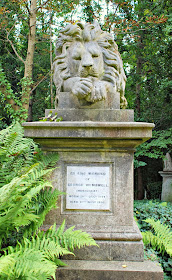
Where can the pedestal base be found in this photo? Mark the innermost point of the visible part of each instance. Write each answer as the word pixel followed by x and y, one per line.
pixel 108 115
pixel 110 251
pixel 109 270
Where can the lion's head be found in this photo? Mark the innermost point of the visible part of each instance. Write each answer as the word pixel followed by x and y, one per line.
pixel 87 52
pixel 85 59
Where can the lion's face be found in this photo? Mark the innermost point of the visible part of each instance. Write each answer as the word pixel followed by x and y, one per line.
pixel 85 60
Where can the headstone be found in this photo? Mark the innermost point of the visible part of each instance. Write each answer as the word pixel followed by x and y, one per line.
pixel 166 174
pixel 167 163
pixel 96 142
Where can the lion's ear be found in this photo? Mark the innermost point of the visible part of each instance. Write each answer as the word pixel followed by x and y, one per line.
pixel 81 25
pixel 96 24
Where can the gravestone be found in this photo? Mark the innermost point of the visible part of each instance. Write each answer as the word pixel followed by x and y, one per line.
pixel 96 142
pixel 166 174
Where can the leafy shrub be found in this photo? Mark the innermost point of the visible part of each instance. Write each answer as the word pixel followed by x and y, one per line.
pixel 145 209
pixel 157 234
pixel 26 196
pixel 161 239
pixel 156 147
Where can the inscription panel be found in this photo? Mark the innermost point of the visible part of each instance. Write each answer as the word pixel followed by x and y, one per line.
pixel 88 188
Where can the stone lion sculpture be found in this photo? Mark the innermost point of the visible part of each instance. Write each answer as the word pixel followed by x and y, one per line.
pixel 88 64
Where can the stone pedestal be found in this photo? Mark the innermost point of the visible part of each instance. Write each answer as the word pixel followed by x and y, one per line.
pixel 96 173
pixel 95 170
pixel 166 185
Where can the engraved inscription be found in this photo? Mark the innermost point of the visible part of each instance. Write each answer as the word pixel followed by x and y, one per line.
pixel 88 187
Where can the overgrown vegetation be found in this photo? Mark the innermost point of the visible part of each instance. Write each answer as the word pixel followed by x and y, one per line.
pixel 156 147
pixel 26 196
pixel 157 232
pixel 142 32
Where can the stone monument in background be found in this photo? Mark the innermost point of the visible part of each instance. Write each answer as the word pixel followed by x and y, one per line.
pixel 96 142
pixel 166 174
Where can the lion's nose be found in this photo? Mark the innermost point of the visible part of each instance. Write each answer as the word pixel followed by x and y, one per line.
pixel 87 60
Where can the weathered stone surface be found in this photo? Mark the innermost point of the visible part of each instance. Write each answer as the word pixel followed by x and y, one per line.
pixel 115 224
pixel 167 162
pixel 97 144
pixel 89 67
pixel 110 250
pixel 102 115
pixel 93 130
pixel 166 194
pixel 67 100
pixel 110 270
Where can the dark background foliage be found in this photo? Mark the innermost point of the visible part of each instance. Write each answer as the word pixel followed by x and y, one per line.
pixel 142 30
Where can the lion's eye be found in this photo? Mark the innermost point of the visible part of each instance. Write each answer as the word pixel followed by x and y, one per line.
pixel 77 57
pixel 95 55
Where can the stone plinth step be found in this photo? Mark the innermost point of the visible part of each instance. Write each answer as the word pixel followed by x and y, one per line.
pixel 109 270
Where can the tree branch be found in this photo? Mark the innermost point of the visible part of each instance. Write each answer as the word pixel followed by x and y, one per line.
pixel 116 8
pixel 43 4
pixel 12 45
pixel 45 77
pixel 27 7
pixel 14 49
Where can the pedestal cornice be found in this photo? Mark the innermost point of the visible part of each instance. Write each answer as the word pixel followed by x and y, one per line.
pixel 88 135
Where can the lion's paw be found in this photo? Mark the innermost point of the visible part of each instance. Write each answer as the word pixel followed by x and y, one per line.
pixel 82 88
pixel 98 93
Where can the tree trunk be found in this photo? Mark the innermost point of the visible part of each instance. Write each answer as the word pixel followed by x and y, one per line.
pixel 29 119
pixel 140 188
pixel 51 63
pixel 139 74
pixel 27 81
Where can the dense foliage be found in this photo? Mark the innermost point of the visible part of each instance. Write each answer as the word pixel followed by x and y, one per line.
pixel 142 30
pixel 157 232
pixel 26 196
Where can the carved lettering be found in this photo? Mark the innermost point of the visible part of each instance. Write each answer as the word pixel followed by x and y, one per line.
pixel 88 196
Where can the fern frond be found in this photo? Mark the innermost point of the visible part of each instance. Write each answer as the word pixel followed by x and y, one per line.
pixel 37 256
pixel 26 196
pixel 18 153
pixel 29 264
pixel 70 239
pixel 59 262
pixel 17 200
pixel 46 201
pixel 25 219
pixel 76 239
pixel 49 160
pixel 162 239
pixel 6 264
pixel 51 249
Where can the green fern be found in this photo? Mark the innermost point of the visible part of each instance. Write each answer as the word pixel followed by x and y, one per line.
pixel 16 153
pixel 44 249
pixel 161 239
pixel 26 196
pixel 70 238
pixel 26 264
pixel 17 201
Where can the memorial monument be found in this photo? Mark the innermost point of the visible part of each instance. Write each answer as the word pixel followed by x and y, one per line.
pixel 96 142
pixel 166 174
